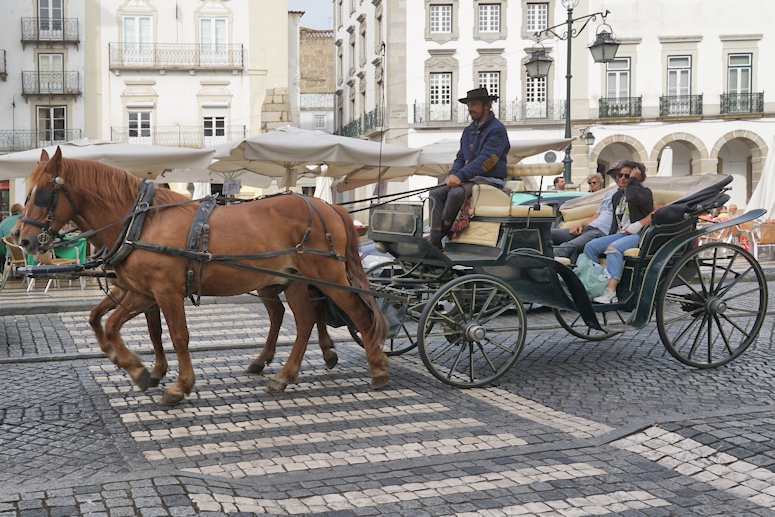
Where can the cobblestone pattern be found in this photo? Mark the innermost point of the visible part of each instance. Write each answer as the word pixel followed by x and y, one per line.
pixel 574 429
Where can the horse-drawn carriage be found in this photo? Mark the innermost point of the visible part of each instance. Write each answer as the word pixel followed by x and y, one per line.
pixel 466 306
pixel 463 308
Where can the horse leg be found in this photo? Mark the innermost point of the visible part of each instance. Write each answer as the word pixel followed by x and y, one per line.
pixel 324 339
pixel 159 370
pixel 153 319
pixel 274 307
pixel 298 298
pixel 172 307
pixel 129 306
pixel 364 319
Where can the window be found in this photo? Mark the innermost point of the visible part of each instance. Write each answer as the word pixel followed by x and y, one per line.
pixel 440 19
pixel 319 122
pixel 52 124
pixel 489 17
pixel 618 78
pixel 51 73
pixel 213 42
pixel 440 96
pixel 739 73
pixel 492 81
pixel 137 44
pixel 535 97
pixel 679 75
pixel 50 19
pixel 214 126
pixel 139 126
pixel 537 17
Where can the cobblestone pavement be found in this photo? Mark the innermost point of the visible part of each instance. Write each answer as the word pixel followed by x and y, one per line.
pixel 574 428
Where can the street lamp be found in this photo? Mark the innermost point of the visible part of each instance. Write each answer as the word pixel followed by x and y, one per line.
pixel 603 50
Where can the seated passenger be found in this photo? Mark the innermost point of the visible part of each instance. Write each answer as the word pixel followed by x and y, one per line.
pixel 632 212
pixel 569 242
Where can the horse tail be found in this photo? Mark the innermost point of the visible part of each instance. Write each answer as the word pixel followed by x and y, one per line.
pixel 358 277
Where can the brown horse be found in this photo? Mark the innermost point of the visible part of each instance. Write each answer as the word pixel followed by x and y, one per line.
pixel 283 234
pixel 269 297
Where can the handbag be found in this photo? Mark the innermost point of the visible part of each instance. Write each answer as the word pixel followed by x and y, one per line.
pixel 593 275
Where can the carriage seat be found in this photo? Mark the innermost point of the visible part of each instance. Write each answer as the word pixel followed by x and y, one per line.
pixel 489 201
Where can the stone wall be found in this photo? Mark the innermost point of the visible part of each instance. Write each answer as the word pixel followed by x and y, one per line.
pixel 316 56
pixel 276 110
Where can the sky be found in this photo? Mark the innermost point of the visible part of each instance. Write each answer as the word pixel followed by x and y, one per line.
pixel 318 14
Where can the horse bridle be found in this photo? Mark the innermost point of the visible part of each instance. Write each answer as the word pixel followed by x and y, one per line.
pixel 48 198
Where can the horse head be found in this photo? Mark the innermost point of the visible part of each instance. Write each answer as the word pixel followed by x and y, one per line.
pixel 43 214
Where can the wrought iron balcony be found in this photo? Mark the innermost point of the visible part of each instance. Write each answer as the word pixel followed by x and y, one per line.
pixel 680 105
pixel 51 83
pixel 179 136
pixel 62 30
pixel 738 103
pixel 364 124
pixel 506 111
pixel 620 107
pixel 174 56
pixel 12 140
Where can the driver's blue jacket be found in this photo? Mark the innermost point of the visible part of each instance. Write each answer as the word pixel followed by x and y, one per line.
pixel 482 154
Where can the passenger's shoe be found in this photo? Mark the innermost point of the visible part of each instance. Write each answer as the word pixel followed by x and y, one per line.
pixel 608 296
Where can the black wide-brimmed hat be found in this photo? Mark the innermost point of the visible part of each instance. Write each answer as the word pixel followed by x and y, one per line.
pixel 478 93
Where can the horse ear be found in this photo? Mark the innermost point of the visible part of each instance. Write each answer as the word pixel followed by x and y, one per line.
pixel 43 156
pixel 53 165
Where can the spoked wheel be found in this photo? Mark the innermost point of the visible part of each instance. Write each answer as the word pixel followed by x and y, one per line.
pixel 712 305
pixel 471 331
pixel 575 325
pixel 386 274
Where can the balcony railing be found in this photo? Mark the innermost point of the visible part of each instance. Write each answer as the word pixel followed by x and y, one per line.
pixel 63 30
pixel 621 107
pixel 51 83
pixel 506 111
pixel 179 136
pixel 364 124
pixel 21 140
pixel 680 105
pixel 164 56
pixel 751 102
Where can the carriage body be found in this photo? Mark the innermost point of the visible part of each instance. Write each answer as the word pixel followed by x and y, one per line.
pixel 506 252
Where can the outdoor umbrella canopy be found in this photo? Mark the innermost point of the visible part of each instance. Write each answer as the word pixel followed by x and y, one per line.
pixel 665 169
pixel 289 152
pixel 145 161
pixel 764 194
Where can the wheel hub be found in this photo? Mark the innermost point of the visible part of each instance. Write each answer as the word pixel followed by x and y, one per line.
pixel 475 332
pixel 716 306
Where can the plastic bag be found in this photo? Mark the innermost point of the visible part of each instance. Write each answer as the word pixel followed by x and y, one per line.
pixel 593 275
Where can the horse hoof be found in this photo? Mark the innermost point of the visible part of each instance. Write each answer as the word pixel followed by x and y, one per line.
pixel 276 385
pixel 331 359
pixel 170 399
pixel 379 380
pixel 256 367
pixel 154 382
pixel 144 381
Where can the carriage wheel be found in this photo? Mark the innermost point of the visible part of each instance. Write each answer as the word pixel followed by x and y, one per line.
pixel 572 322
pixel 405 340
pixel 712 305
pixel 471 331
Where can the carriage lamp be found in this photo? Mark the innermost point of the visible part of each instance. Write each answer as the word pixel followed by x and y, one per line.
pixel 603 50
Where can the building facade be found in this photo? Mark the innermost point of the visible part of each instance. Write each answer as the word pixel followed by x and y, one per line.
pixel 190 74
pixel 688 75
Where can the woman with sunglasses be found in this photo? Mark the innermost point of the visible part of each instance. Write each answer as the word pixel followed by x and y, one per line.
pixel 632 212
pixel 595 181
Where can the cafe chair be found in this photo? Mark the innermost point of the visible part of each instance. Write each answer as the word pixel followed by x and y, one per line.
pixel 49 259
pixel 16 258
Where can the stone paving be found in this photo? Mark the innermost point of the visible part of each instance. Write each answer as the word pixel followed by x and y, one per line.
pixel 575 428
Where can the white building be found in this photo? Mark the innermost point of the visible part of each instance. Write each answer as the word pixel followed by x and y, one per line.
pixel 690 75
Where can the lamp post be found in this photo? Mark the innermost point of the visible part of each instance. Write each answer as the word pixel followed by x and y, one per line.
pixel 603 50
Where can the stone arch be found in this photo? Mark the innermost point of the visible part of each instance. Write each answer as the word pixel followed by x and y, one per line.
pixel 756 144
pixel 633 144
pixel 700 162
pixel 748 177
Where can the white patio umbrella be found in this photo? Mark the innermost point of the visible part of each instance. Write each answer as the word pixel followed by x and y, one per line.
pixel 665 169
pixel 286 152
pixel 764 194
pixel 146 161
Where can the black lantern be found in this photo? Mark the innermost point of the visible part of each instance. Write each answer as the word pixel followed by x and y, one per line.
pixel 604 48
pixel 589 138
pixel 539 63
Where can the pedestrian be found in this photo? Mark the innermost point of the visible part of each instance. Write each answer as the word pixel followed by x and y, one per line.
pixel 480 159
pixel 569 242
pixel 632 212
pixel 7 225
pixel 559 183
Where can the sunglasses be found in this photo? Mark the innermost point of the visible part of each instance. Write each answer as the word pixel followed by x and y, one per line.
pixel 620 175
pixel 592 183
